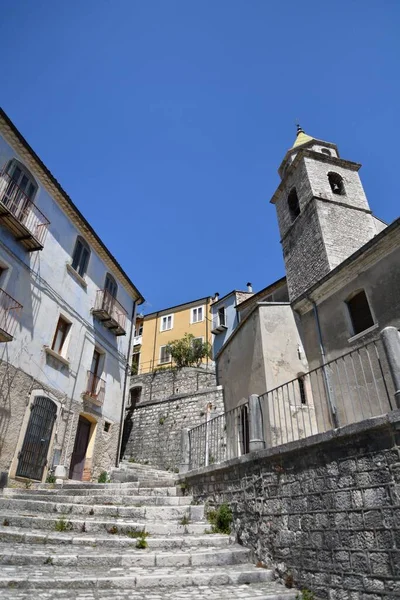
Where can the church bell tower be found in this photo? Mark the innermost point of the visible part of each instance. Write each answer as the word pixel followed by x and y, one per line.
pixel 322 210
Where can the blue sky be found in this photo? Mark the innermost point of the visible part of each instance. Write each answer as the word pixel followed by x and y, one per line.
pixel 166 120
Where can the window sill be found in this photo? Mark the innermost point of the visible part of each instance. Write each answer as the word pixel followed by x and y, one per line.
pixel 55 355
pixel 76 275
pixel 360 335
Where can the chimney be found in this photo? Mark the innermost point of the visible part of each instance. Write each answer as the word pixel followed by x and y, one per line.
pixel 249 287
pixel 216 297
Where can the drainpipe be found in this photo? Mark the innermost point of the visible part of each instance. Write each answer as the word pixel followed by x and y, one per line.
pixel 127 374
pixel 328 387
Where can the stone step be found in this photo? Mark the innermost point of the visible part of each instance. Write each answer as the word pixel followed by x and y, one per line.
pixel 153 513
pixel 109 500
pixel 106 491
pixel 49 576
pixel 20 536
pixel 20 555
pixel 256 591
pixel 92 525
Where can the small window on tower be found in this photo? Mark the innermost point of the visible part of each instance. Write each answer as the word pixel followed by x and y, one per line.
pixel 293 203
pixel 360 312
pixel 336 183
pixel 326 151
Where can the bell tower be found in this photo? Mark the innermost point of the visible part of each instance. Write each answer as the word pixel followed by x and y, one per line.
pixel 322 210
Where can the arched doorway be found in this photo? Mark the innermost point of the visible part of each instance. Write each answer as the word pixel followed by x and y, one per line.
pixel 32 458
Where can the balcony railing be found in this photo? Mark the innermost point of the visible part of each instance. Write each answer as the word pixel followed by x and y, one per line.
pixel 22 217
pixel 219 323
pixel 95 389
pixel 9 312
pixel 110 312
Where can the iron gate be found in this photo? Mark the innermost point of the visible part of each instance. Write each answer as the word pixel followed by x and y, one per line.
pixel 33 456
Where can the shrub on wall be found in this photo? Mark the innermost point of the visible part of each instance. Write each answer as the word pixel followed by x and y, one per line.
pixel 188 351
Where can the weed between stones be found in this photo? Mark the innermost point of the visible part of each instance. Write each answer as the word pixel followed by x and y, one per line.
pixel 62 525
pixel 221 520
pixel 185 520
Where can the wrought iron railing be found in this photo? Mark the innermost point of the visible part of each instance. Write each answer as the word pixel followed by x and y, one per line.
pixel 22 208
pixel 348 389
pixel 9 312
pixel 220 438
pixel 106 303
pixel 95 388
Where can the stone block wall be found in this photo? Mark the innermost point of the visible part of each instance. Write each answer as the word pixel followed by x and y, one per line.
pixel 324 510
pixel 162 384
pixel 155 424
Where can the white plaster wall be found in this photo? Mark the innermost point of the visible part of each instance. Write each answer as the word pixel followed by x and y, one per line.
pixel 41 282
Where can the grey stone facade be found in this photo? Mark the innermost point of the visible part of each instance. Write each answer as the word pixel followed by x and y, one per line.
pixel 330 227
pixel 324 511
pixel 17 390
pixel 170 401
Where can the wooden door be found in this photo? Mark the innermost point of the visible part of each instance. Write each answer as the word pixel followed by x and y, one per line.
pixel 80 447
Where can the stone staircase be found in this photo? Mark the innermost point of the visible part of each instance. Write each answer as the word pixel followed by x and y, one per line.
pixel 81 542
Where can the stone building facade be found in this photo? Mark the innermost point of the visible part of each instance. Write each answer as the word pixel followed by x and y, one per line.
pixel 67 310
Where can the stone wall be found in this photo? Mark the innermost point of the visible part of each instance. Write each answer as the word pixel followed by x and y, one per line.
pixel 170 402
pixel 325 510
pixel 162 384
pixel 17 392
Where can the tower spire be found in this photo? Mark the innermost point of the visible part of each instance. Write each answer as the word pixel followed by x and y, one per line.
pixel 299 129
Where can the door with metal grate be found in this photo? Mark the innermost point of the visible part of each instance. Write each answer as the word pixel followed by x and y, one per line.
pixel 33 456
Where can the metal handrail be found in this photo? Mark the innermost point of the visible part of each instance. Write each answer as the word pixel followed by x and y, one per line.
pixel 9 310
pixel 106 301
pixel 95 387
pixel 22 208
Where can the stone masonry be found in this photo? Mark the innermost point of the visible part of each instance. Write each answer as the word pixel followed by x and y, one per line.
pixel 139 540
pixel 170 401
pixel 324 511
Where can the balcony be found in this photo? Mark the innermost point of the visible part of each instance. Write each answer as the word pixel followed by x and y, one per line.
pixel 95 389
pixel 219 323
pixel 9 311
pixel 22 217
pixel 137 340
pixel 110 312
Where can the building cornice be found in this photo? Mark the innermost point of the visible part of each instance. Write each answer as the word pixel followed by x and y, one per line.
pixel 36 165
pixel 177 308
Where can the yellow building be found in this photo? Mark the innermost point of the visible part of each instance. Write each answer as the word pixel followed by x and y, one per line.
pixel 154 331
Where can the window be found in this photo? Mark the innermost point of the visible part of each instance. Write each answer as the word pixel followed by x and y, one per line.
pixel 138 329
pixel 60 335
pixel 197 314
pixel 196 342
pixel 167 322
pixel 222 316
pixel 80 258
pixel 326 151
pixel 336 183
pixel 165 356
pixel 110 285
pixel 107 426
pixel 302 390
pixel 360 312
pixel 19 180
pixel 293 203
pixel 135 363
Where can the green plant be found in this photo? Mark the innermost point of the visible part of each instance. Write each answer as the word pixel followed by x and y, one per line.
pixel 62 525
pixel 184 488
pixel 188 351
pixel 306 595
pixel 185 520
pixel 141 543
pixel 6 523
pixel 28 484
pixel 48 561
pixel 50 478
pixel 103 477
pixel 91 511
pixel 132 460
pixel 220 519
pixel 161 420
